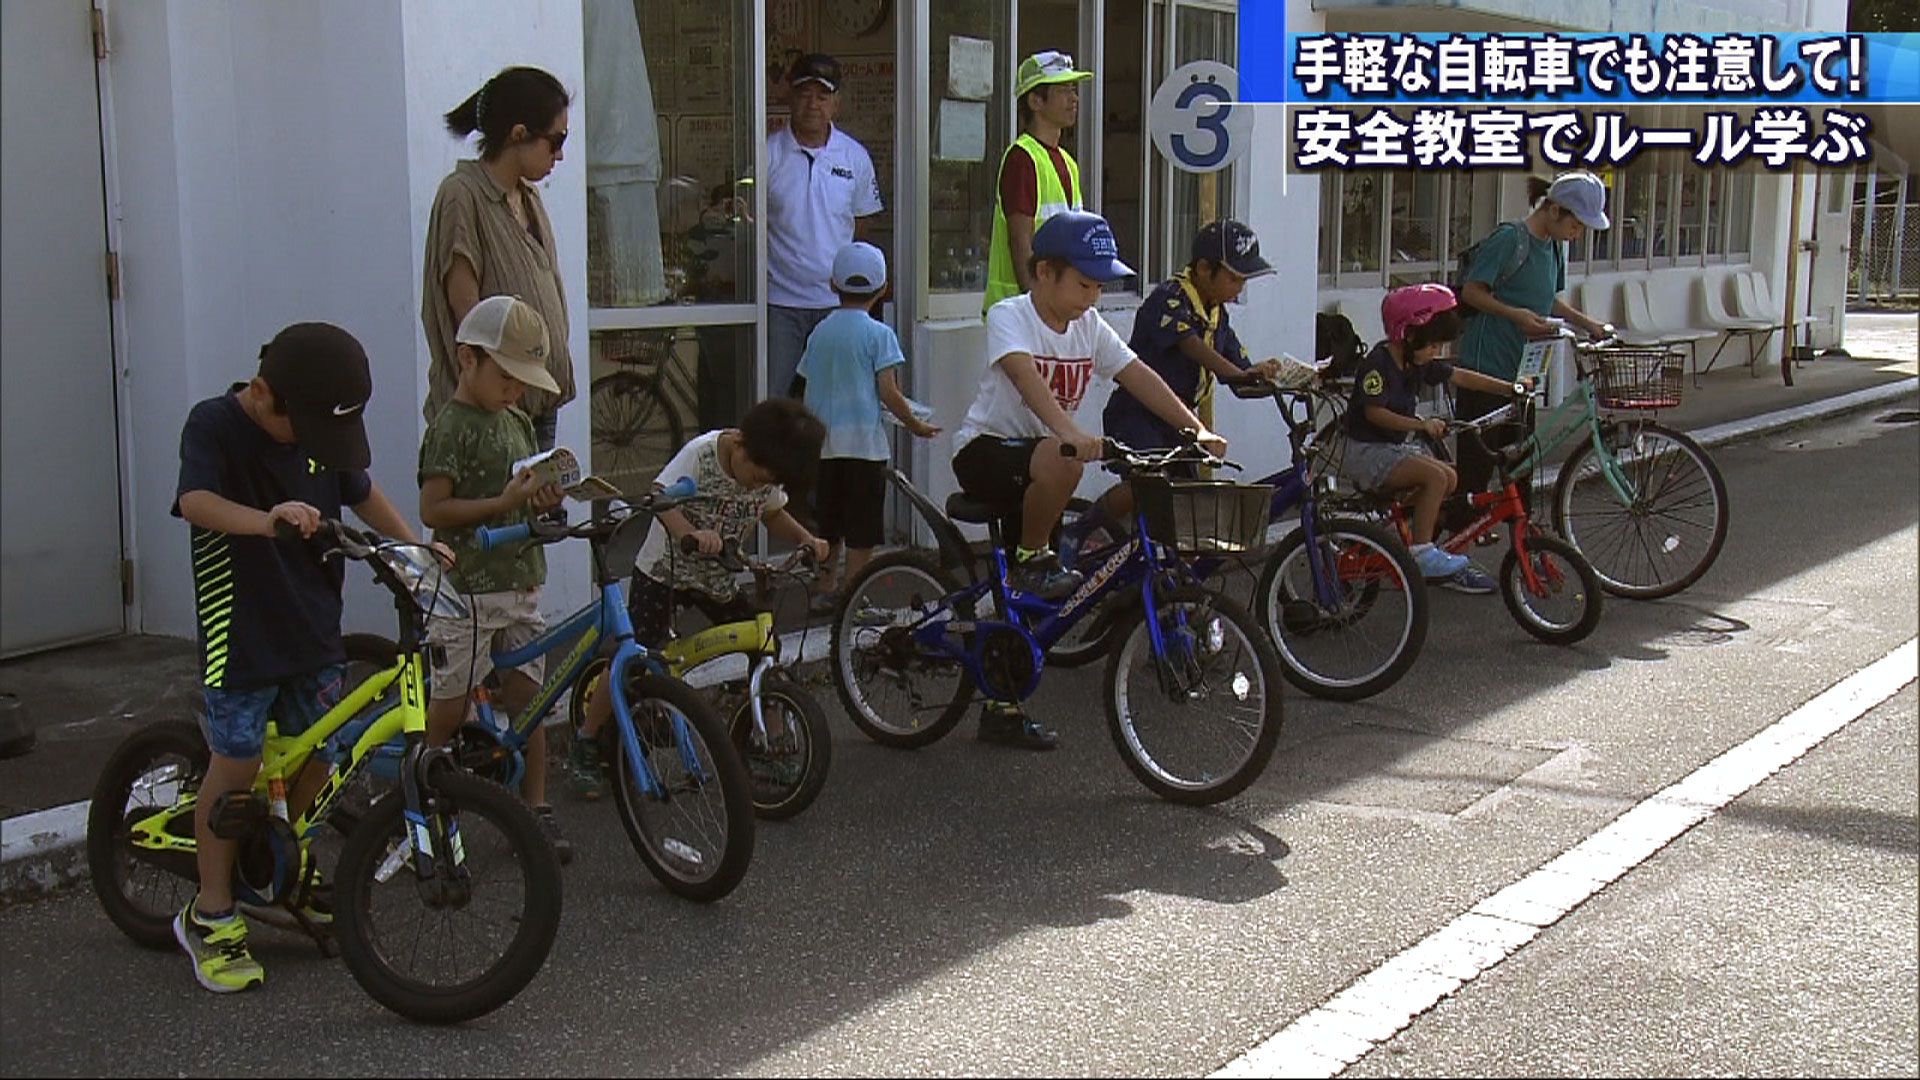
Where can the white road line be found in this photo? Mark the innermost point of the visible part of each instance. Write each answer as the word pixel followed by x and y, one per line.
pixel 1373 1008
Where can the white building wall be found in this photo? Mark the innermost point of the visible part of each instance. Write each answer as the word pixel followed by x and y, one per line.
pixel 275 164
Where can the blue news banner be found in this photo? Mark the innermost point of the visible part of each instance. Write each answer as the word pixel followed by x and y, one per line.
pixel 1467 101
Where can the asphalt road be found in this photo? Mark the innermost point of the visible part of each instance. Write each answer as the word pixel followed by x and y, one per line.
pixel 973 910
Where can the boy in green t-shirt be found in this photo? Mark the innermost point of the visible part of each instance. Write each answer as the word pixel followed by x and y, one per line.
pixel 467 480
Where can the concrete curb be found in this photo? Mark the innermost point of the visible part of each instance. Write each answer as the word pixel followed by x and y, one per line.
pixel 45 850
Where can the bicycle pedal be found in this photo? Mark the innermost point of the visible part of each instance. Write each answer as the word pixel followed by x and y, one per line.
pixel 237 815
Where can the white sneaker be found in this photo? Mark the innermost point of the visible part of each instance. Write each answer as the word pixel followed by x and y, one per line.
pixel 1435 561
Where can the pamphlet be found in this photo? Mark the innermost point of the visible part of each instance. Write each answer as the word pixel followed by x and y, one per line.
pixel 921 412
pixel 560 466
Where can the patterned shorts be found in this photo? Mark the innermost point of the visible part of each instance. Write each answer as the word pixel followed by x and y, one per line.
pixel 236 720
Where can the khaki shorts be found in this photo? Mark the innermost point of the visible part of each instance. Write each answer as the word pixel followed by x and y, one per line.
pixel 500 622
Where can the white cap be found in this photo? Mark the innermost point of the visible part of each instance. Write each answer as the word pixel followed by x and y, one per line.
pixel 513 334
pixel 859 268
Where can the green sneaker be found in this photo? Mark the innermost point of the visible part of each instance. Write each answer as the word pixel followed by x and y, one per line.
pixel 584 770
pixel 221 962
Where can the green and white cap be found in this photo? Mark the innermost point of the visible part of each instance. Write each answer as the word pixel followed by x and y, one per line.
pixel 1042 68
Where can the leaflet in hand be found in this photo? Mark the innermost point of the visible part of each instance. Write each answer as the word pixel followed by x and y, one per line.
pixel 921 412
pixel 559 466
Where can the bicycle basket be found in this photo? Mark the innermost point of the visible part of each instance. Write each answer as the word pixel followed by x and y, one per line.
pixel 1638 378
pixel 1204 517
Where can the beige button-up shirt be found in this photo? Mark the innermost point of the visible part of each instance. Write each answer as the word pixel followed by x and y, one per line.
pixel 471 218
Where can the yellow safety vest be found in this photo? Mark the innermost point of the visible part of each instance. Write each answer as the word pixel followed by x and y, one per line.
pixel 1001 282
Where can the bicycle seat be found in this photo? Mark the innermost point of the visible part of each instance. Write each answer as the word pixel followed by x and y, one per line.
pixel 962 508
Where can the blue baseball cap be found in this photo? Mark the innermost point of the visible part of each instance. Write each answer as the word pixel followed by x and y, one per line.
pixel 1083 239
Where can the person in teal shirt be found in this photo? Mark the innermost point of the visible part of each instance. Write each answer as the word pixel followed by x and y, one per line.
pixel 1514 295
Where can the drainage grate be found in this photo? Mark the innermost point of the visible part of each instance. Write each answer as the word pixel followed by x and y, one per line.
pixel 1901 416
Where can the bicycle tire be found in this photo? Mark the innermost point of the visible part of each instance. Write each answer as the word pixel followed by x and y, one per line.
pixel 1367 560
pixel 622 406
pixel 380 838
pixel 1522 604
pixel 111 862
pixel 773 800
pixel 1682 507
pixel 863 649
pixel 1151 765
pixel 686 870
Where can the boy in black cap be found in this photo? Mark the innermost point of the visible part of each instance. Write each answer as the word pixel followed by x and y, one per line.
pixel 289 446
pixel 1181 331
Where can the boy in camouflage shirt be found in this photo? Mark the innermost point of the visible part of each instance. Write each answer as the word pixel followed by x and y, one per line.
pixel 467 480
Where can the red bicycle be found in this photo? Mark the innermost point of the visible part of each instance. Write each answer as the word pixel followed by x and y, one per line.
pixel 1549 587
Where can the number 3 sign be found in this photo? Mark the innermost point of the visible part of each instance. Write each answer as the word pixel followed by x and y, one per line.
pixel 1196 119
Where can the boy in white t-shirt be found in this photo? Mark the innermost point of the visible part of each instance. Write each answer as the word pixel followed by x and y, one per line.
pixel 1044 347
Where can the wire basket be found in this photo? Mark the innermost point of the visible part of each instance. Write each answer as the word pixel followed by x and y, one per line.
pixel 1204 517
pixel 1638 378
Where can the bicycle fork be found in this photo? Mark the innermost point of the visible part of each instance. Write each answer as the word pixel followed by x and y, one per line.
pixel 433 832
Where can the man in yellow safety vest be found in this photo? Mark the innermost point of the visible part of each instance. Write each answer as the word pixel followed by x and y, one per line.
pixel 1038 179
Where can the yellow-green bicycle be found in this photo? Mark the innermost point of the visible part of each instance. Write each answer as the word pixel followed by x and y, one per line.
pixel 446 894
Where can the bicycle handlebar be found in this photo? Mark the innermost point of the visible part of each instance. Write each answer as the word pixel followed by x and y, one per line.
pixel 730 558
pixel 541 532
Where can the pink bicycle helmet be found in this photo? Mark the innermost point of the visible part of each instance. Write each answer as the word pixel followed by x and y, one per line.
pixel 1413 305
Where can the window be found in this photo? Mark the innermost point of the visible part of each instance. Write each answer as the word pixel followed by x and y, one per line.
pixel 1410 223
pixel 970 92
pixel 1413 228
pixel 1739 213
pixel 669 108
pixel 1692 209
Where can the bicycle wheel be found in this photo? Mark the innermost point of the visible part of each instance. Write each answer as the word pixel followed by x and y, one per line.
pixel 893 690
pixel 1198 725
pixel 445 961
pixel 155 769
pixel 1365 631
pixel 694 831
pixel 635 431
pixel 789 765
pixel 1567 606
pixel 1673 530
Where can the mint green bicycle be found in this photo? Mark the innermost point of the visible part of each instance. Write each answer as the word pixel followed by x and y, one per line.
pixel 1643 502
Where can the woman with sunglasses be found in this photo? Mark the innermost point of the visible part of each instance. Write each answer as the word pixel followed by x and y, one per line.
pixel 1421 321
pixel 489 234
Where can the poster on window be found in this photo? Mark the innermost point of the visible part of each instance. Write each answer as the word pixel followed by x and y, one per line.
pixel 867 110
pixel 705 72
pixel 703 152
pixel 789 37
pixel 969 68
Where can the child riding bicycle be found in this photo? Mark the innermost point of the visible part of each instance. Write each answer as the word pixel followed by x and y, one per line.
pixel 1420 320
pixel 466 480
pixel 1183 333
pixel 744 477
pixel 287 447
pixel 1044 347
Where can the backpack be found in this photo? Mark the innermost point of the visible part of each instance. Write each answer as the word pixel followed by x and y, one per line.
pixel 1519 259
pixel 1336 344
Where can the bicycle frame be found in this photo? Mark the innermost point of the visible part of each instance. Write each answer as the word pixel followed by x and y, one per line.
pixel 1555 425
pixel 587 628
pixel 1136 562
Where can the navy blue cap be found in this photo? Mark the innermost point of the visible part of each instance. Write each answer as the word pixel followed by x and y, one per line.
pixel 1233 245
pixel 1083 239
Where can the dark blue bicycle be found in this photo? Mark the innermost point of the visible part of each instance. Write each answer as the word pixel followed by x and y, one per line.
pixel 1340 598
pixel 1192 687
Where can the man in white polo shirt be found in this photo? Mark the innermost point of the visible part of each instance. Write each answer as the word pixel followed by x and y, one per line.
pixel 820 187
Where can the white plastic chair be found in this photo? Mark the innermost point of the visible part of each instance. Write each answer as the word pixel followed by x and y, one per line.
pixel 1712 301
pixel 1641 328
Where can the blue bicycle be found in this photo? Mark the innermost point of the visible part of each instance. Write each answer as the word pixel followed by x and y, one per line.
pixel 683 794
pixel 1340 598
pixel 1192 688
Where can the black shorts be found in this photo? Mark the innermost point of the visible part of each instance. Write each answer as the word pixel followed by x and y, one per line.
pixel 995 470
pixel 850 501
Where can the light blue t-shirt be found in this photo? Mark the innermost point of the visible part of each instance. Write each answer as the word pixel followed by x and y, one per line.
pixel 843 355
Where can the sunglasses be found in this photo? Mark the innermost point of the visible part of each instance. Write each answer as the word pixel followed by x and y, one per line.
pixel 555 139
